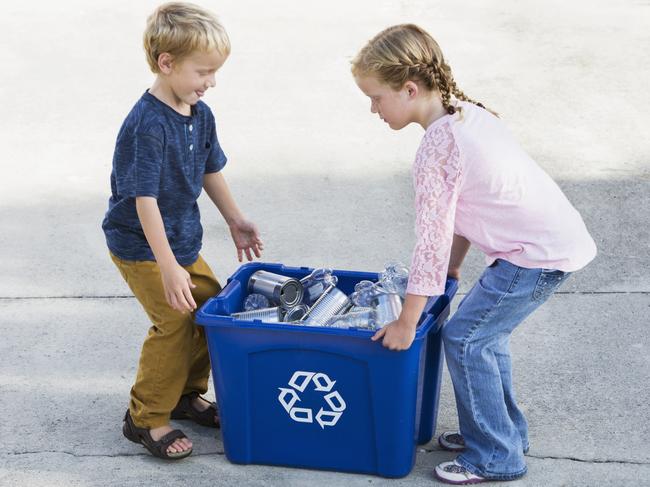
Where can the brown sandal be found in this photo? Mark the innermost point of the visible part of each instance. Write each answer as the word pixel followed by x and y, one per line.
pixel 157 448
pixel 186 410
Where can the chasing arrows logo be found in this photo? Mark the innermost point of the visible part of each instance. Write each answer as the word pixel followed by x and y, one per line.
pixel 288 397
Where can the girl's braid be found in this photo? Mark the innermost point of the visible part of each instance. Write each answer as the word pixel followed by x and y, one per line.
pixel 437 75
pixel 458 93
pixel 431 75
pixel 442 75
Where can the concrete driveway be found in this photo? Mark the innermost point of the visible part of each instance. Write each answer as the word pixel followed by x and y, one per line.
pixel 328 184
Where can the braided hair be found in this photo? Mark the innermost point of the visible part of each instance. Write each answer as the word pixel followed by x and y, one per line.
pixel 404 53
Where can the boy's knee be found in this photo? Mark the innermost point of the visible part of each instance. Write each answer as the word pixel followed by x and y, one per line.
pixel 167 323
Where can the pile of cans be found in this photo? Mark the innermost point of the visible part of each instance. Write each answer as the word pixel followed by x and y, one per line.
pixel 316 300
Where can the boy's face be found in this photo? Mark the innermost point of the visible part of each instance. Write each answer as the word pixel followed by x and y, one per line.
pixel 191 77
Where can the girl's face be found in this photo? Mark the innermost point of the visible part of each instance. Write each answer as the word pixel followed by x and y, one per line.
pixel 394 107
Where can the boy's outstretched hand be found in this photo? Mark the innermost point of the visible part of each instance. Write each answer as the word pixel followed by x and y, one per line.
pixel 247 239
pixel 397 335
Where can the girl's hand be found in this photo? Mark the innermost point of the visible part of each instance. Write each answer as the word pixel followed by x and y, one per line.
pixel 398 335
pixel 454 273
pixel 246 239
pixel 177 285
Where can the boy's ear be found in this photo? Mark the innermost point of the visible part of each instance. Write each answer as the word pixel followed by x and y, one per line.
pixel 165 63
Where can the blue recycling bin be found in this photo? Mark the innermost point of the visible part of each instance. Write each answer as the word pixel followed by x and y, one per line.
pixel 323 398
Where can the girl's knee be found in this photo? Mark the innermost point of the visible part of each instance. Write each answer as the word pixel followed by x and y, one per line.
pixel 450 337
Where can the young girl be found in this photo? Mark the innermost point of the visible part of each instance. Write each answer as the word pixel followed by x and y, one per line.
pixel 474 185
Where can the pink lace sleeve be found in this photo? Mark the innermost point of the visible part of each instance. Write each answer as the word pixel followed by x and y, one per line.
pixel 436 176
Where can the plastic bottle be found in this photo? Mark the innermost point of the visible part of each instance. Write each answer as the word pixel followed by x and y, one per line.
pixel 315 284
pixel 256 301
pixel 394 278
pixel 366 320
pixel 364 294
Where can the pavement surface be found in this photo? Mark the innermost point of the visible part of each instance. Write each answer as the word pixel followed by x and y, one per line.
pixel 328 184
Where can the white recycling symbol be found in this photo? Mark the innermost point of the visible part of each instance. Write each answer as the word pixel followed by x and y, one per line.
pixel 288 397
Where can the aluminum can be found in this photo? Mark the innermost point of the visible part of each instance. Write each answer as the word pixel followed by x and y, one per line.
pixel 296 313
pixel 268 315
pixel 332 302
pixel 285 291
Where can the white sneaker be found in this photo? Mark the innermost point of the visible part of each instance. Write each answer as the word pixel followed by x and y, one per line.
pixel 454 473
pixel 451 441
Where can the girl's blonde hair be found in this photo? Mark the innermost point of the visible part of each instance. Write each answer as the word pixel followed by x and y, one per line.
pixel 404 53
pixel 180 29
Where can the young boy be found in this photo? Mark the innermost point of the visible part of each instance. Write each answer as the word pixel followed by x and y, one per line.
pixel 167 152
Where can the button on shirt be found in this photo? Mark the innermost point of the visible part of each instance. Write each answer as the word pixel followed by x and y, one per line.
pixel 162 154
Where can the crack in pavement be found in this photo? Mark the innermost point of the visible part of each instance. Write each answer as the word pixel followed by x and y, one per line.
pixel 582 460
pixel 118 455
pixel 99 455
pixel 553 457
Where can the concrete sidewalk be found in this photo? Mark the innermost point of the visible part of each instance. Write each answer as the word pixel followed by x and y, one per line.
pixel 329 185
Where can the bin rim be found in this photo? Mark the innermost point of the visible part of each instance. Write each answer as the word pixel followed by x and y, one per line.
pixel 426 322
pixel 222 321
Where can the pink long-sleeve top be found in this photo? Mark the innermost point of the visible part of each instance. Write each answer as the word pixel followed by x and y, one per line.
pixel 473 179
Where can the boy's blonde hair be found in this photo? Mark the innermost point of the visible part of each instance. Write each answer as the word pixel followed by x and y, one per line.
pixel 182 28
pixel 404 53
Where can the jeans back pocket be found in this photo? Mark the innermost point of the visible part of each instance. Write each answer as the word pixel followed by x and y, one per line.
pixel 549 280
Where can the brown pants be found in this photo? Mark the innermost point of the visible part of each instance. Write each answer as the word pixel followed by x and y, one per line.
pixel 174 358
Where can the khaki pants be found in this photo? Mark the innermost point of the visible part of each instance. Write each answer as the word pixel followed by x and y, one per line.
pixel 174 358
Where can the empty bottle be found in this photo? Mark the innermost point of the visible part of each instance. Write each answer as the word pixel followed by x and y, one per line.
pixel 364 293
pixel 256 301
pixel 355 309
pixel 366 320
pixel 394 278
pixel 389 307
pixel 315 284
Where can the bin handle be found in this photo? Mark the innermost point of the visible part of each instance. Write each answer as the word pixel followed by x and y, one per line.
pixel 224 295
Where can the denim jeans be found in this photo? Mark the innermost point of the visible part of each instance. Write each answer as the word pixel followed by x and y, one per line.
pixel 476 341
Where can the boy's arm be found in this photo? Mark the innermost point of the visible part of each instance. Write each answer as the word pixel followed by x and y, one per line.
pixel 244 233
pixel 176 280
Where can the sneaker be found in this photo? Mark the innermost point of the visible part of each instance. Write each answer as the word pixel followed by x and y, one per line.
pixel 454 441
pixel 451 441
pixel 453 473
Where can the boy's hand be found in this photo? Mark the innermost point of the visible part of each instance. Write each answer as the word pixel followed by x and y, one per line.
pixel 247 239
pixel 398 335
pixel 177 284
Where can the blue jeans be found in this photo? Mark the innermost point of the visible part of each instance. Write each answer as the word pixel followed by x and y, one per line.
pixel 476 341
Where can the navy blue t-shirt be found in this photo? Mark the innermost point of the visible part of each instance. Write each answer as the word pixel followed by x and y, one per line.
pixel 163 154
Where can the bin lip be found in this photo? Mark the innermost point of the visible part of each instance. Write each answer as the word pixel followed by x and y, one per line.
pixel 427 321
pixel 222 321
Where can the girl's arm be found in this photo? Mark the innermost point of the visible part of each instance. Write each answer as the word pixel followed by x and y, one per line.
pixel 437 175
pixel 244 233
pixel 176 280
pixel 401 333
pixel 459 248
